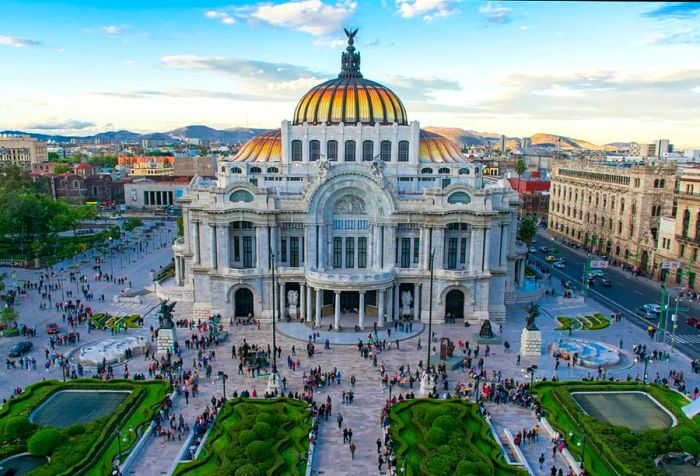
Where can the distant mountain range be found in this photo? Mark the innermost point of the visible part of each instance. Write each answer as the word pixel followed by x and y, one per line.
pixel 241 134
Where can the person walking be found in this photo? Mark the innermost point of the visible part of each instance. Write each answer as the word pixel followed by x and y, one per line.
pixel 349 435
pixel 340 420
pixel 379 446
pixel 541 460
pixel 352 450
pixel 345 435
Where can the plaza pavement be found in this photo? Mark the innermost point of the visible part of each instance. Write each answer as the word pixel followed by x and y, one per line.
pixel 332 456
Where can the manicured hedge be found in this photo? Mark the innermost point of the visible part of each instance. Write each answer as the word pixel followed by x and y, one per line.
pixel 613 449
pixel 440 437
pixel 593 322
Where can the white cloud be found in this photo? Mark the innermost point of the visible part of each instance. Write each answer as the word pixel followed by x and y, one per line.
pixel 220 15
pixel 54 124
pixel 525 27
pixel 18 42
pixel 495 13
pixel 112 29
pixel 61 49
pixel 310 16
pixel 684 36
pixel 329 42
pixel 430 9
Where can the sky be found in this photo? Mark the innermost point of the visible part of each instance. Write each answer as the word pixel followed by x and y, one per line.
pixel 597 71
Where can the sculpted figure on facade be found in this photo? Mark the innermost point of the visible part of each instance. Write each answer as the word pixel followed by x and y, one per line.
pixel 406 301
pixel 350 205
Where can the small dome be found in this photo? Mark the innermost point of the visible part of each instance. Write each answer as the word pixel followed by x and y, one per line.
pixel 438 149
pixel 265 147
pixel 350 98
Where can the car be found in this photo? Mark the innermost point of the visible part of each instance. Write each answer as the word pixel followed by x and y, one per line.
pixel 52 328
pixel 562 259
pixel 653 307
pixel 693 321
pixel 645 313
pixel 533 249
pixel 534 240
pixel 605 282
pixel 544 249
pixel 550 259
pixel 21 348
pixel 559 265
pixel 596 273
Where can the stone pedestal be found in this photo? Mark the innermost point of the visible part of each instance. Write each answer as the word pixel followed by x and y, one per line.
pixel 273 383
pixel 426 385
pixel 166 340
pixel 530 343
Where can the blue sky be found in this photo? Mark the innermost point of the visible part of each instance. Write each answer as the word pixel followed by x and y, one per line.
pixel 596 71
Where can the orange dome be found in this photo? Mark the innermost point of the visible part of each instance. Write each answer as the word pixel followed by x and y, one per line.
pixel 437 148
pixel 265 147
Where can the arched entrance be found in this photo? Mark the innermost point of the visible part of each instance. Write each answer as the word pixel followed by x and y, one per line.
pixel 243 303
pixel 454 304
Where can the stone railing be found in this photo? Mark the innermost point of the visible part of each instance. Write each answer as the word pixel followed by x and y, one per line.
pixel 341 281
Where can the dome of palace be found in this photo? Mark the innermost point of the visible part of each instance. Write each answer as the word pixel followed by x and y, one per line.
pixel 436 148
pixel 350 98
pixel 265 147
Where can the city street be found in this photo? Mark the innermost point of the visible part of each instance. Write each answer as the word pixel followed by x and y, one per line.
pixel 627 293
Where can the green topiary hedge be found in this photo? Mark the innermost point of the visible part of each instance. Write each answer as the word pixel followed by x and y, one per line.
pixel 690 445
pixel 45 441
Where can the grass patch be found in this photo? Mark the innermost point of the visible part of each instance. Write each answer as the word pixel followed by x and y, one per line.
pixel 105 320
pixel 615 449
pixel 593 322
pixel 85 449
pixel 168 271
pixel 438 437
pixel 270 435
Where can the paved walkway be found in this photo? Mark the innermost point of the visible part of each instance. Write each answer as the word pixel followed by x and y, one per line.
pixel 301 332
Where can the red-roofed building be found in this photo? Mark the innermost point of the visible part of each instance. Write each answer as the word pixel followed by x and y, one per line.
pixel 534 193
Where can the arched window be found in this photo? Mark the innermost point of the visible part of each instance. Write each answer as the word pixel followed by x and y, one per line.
pixel 367 151
pixel 662 183
pixel 314 150
pixel 241 196
pixel 273 170
pixel 622 206
pixel 385 150
pixel 403 151
pixel 296 151
pixel 634 208
pixel 444 170
pixel 426 170
pixel 459 197
pixel 332 150
pixel 476 170
pixel 236 170
pixel 464 171
pixel 349 151
pixel 223 168
pixel 255 170
pixel 686 222
pixel 617 251
pixel 697 227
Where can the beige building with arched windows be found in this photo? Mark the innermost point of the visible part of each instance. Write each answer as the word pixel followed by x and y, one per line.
pixel 350 198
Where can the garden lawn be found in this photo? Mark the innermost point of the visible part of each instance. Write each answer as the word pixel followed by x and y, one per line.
pixel 616 449
pixel 440 437
pixel 594 322
pixel 252 436
pixel 79 449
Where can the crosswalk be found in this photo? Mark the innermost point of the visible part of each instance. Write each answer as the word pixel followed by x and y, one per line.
pixel 685 338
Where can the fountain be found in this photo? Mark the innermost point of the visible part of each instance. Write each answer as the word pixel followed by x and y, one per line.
pixel 111 350
pixel 587 353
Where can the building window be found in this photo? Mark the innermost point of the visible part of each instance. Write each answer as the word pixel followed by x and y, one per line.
pixel 426 170
pixel 463 171
pixel 444 170
pixel 314 150
pixel 416 249
pixel 296 151
pixel 255 170
pixel 452 253
pixel 236 249
pixel 349 151
pixel 367 151
pixel 241 196
pixel 273 170
pixel 362 252
pixel 350 252
pixel 337 252
pixel 405 252
pixel 403 151
pixel 236 170
pixel 463 251
pixel 294 251
pixel 247 251
pixel 332 150
pixel 283 251
pixel 385 150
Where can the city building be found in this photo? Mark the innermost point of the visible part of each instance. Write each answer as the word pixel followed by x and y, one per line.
pixel 187 166
pixel 356 204
pixel 147 166
pixel 613 208
pixel 679 234
pixel 22 151
pixel 533 192
pixel 148 193
pixel 502 144
pixel 526 143
pixel 84 185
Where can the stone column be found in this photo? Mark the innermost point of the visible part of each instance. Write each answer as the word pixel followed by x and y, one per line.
pixel 195 243
pixel 309 312
pixel 222 240
pixel 439 245
pixel 418 298
pixel 212 247
pixel 319 297
pixel 475 251
pixel 321 247
pixel 362 310
pixel 485 259
pixel 397 303
pixel 337 311
pixel 390 304
pixel 262 254
pixel 302 301
pixel 282 301
pixel 424 250
pixel 178 271
pixel 504 246
pixel 380 305
pixel 371 248
pixel 233 303
pixel 521 279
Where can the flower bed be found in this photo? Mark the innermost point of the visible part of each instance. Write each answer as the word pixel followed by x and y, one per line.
pixel 593 322
pixel 438 437
pixel 614 449
pixel 82 448
pixel 252 437
pixel 104 320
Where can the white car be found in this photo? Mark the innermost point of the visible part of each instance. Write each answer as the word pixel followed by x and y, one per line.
pixel 653 307
pixel 559 264
pixel 533 249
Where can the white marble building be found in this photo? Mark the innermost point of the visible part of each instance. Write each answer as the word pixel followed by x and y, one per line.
pixel 350 198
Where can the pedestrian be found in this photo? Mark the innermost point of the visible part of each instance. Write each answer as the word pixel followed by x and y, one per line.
pixel 349 435
pixel 381 462
pixel 518 361
pixel 379 446
pixel 541 460
pixel 345 435
pixel 340 420
pixel 352 450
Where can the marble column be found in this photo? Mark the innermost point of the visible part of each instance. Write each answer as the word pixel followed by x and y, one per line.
pixel 178 271
pixel 504 246
pixel 319 297
pixel 362 310
pixel 337 311
pixel 486 262
pixel 302 301
pixel 275 243
pixel 309 312
pixel 195 243
pixel 380 299
pixel 390 304
pixel 397 304
pixel 321 248
pixel 475 250
pixel 439 246
pixel 222 241
pixel 282 301
pixel 212 247
pixel 233 304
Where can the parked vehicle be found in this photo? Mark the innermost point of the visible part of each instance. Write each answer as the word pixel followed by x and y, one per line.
pixel 597 273
pixel 606 283
pixel 550 259
pixel 693 321
pixel 559 264
pixel 533 249
pixel 52 328
pixel 21 348
pixel 646 313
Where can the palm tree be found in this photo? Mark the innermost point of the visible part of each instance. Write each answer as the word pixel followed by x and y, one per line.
pixel 520 169
pixel 527 230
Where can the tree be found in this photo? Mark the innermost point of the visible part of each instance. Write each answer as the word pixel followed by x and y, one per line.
pixel 103 160
pixel 180 225
pixel 9 316
pixel 520 169
pixel 61 169
pixel 53 156
pixel 527 230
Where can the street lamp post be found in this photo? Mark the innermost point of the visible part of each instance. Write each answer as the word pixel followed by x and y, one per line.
pixel 582 444
pixel 646 364
pixel 532 370
pixel 273 382
pixel 478 378
pixel 223 377
pixel 426 384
